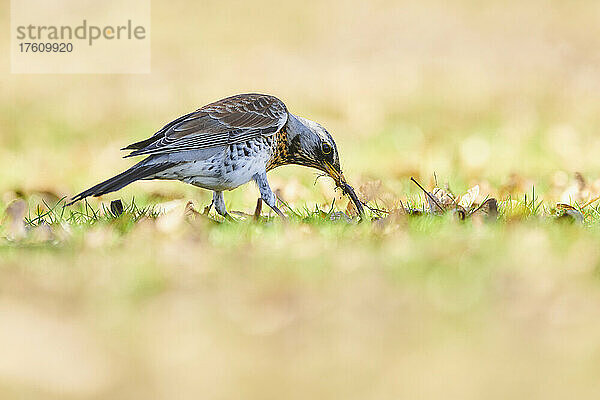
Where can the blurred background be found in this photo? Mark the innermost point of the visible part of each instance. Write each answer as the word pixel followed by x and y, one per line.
pixel 500 93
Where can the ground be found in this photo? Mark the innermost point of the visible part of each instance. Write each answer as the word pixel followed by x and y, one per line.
pixel 164 302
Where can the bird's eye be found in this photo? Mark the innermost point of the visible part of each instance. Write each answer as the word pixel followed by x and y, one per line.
pixel 325 148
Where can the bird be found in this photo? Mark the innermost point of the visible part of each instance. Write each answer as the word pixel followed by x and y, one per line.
pixel 228 143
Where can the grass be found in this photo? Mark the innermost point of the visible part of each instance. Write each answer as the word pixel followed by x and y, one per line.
pixel 132 303
pixel 148 299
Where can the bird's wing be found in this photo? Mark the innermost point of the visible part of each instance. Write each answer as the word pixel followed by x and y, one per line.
pixel 231 120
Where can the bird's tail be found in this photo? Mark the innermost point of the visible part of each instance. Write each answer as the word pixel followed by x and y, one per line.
pixel 139 171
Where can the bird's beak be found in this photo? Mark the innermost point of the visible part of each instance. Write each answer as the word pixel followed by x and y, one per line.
pixel 337 176
pixel 340 182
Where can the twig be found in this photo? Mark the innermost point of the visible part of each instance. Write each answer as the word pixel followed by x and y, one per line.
pixel 373 209
pixel 590 202
pixel 427 193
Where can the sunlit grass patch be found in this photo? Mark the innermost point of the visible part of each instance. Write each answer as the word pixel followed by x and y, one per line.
pixel 38 220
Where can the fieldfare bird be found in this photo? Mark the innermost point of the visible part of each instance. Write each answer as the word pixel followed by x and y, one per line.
pixel 226 144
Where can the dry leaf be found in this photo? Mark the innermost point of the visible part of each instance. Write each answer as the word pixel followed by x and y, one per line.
pixel 444 198
pixel 467 200
pixel 569 212
pixel 565 207
pixel 370 191
pixel 488 211
pixel 490 208
pixel 196 220
pixel 190 211
pixel 577 192
pixel 15 214
pixel 434 205
pixel 393 221
pixel 42 233
pixel 351 209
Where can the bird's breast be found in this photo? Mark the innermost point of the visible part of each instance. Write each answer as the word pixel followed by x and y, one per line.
pixel 280 154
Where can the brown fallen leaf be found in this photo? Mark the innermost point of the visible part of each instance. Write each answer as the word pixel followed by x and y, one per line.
pixel 42 233
pixel 442 200
pixel 515 184
pixel 393 221
pixel 47 196
pixel 195 220
pixel 190 211
pixel 567 211
pixel 351 209
pixel 370 191
pixel 565 207
pixel 191 214
pixel 444 197
pixel 487 211
pixel 578 191
pixel 376 191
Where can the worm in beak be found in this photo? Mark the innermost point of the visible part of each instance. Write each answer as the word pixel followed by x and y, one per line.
pixel 340 182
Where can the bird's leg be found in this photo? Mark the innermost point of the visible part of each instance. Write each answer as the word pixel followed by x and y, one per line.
pixel 258 209
pixel 219 203
pixel 266 193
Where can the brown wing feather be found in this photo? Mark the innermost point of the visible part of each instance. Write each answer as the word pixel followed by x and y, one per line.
pixel 231 120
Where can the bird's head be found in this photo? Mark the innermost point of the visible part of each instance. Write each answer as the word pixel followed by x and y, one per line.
pixel 310 145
